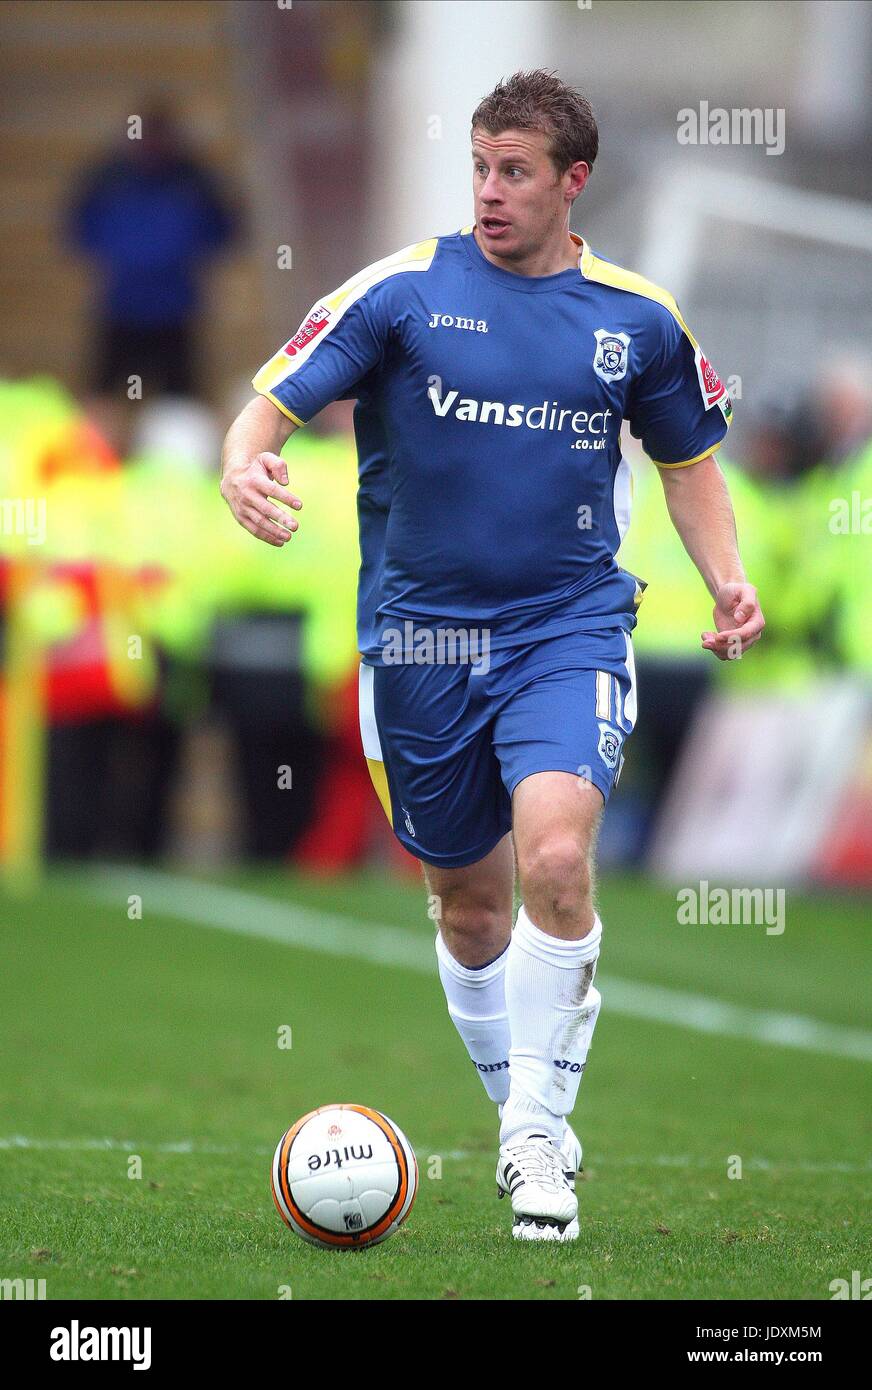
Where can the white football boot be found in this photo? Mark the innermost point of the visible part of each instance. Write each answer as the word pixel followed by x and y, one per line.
pixel 570 1147
pixel 533 1170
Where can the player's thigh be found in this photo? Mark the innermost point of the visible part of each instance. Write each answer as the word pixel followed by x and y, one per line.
pixel 556 816
pixel 427 739
pixel 560 740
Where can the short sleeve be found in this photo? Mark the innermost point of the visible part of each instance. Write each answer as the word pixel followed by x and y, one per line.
pixel 678 406
pixel 340 341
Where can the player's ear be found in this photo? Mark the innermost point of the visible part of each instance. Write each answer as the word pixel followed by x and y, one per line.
pixel 579 173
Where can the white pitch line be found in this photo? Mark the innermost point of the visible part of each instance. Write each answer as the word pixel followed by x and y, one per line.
pixel 127 1146
pixel 290 924
pixel 604 1161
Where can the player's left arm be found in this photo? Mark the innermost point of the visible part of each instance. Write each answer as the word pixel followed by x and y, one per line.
pixel 680 409
pixel 699 504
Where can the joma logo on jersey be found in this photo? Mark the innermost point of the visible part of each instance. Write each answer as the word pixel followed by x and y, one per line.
pixel 450 321
pixel 315 324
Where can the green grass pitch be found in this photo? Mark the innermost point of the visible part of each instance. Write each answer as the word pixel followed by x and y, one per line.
pixel 158 1038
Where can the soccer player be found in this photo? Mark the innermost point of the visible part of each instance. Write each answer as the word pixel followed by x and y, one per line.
pixel 493 369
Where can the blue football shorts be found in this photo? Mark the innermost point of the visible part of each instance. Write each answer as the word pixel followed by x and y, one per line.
pixel 447 744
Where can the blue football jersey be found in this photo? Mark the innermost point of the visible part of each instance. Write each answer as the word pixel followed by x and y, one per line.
pixel 493 493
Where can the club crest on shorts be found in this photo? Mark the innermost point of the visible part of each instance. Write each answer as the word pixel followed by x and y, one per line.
pixel 609 746
pixel 612 354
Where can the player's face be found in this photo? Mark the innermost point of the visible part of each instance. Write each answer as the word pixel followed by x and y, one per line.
pixel 520 200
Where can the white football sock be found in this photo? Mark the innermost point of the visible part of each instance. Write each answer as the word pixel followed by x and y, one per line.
pixel 552 1006
pixel 477 1005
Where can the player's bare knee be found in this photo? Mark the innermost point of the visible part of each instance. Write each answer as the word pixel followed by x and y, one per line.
pixel 556 881
pixel 474 929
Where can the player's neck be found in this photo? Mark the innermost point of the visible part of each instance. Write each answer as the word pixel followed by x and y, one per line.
pixel 544 260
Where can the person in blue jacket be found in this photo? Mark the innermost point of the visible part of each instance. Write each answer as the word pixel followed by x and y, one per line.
pixel 149 216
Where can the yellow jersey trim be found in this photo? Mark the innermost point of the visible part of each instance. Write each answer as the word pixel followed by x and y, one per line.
pixel 687 462
pixel 280 366
pixel 604 273
pixel 416 257
pixel 295 419
pixel 379 779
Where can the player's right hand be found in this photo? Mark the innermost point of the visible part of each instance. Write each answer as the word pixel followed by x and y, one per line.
pixel 250 493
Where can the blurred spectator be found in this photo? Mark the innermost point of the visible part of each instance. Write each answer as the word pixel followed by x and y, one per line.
pixel 785 440
pixel 150 216
pixel 843 405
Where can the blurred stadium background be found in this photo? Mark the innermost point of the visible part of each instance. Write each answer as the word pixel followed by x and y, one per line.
pixel 173 693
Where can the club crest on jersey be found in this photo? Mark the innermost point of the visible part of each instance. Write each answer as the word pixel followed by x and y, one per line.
pixel 313 325
pixel 612 354
pixel 609 747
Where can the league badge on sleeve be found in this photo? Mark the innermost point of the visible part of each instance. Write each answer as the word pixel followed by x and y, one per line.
pixel 309 329
pixel 714 392
pixel 612 354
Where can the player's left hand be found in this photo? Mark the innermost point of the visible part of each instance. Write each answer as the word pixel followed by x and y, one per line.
pixel 739 621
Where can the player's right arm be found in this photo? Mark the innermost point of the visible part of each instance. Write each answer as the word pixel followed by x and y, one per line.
pixel 334 347
pixel 339 344
pixel 254 477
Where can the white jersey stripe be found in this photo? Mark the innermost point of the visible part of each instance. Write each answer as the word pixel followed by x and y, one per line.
pixel 603 695
pixel 622 497
pixel 630 702
pixel 366 704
